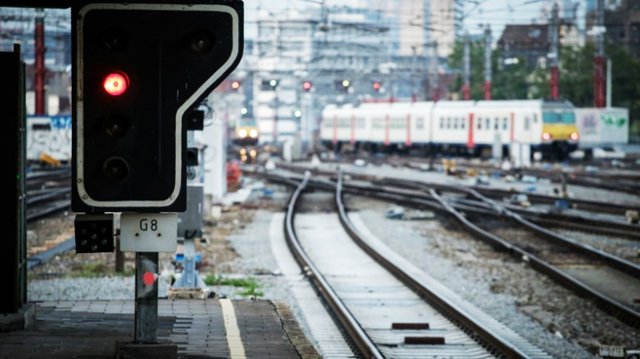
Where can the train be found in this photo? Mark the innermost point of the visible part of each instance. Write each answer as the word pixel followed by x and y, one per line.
pixel 245 133
pixel 459 127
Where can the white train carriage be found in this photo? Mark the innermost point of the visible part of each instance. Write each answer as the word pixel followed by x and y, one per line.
pixel 391 124
pixel 466 126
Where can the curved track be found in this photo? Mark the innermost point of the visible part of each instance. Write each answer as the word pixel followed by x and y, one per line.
pixel 414 294
pixel 612 303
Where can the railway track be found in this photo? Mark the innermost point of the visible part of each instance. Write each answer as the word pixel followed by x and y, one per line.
pixel 611 282
pixel 617 285
pixel 48 192
pixel 582 222
pixel 388 307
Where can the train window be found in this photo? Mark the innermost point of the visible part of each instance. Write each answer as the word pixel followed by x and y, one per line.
pixel 535 118
pixel 462 122
pixel 448 122
pixel 395 123
pixel 487 123
pixel 495 123
pixel 479 123
pixel 377 123
pixel 360 122
pixel 420 123
pixel 504 123
pixel 526 123
pixel 441 122
pixel 455 123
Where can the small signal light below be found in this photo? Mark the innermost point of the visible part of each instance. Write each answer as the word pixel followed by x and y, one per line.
pixel 116 83
pixel 574 136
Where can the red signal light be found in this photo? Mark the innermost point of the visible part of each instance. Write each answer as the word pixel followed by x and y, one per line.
pixel 235 85
pixel 307 85
pixel 376 86
pixel 116 83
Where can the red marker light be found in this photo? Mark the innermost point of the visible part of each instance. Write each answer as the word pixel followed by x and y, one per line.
pixel 148 278
pixel 376 86
pixel 307 85
pixel 116 83
pixel 235 85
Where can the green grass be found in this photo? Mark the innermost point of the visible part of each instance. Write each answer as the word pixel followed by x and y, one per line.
pixel 250 285
pixel 91 270
pixel 94 270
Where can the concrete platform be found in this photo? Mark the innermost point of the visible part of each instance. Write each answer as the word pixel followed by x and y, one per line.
pixel 213 328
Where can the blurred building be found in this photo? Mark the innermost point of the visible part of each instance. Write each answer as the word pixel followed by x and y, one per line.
pixel 622 21
pixel 18 27
pixel 304 60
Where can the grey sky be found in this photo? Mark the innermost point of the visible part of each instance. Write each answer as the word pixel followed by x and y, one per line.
pixel 497 13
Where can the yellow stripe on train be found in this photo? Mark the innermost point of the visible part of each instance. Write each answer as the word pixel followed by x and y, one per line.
pixel 560 132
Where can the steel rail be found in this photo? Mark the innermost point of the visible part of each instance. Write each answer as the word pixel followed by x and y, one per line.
pixel 619 310
pixel 614 261
pixel 344 316
pixel 572 220
pixel 482 334
pixel 609 305
pixel 584 204
pixel 45 211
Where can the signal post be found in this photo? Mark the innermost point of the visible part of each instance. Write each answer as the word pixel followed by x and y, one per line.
pixel 140 71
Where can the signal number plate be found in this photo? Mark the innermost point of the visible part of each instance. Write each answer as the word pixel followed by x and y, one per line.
pixel 148 232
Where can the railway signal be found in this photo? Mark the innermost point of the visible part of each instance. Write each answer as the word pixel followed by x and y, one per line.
pixel 376 86
pixel 307 86
pixel 137 84
pixel 343 85
pixel 235 85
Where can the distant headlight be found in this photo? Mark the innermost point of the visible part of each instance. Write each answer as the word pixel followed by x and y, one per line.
pixel 574 136
pixel 546 136
pixel 242 133
pixel 253 133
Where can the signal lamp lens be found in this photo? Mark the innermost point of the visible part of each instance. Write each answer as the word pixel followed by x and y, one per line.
pixel 574 136
pixel 346 83
pixel 116 168
pixel 376 86
pixel 201 41
pixel 242 133
pixel 546 136
pixel 306 85
pixel 235 85
pixel 116 126
pixel 253 133
pixel 116 83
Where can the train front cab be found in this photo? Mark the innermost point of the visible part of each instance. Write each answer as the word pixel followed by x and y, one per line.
pixel 559 133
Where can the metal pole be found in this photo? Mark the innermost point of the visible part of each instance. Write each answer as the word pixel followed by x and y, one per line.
pixel 487 63
pixel 146 310
pixel 39 64
pixel 13 248
pixel 599 59
pixel 466 87
pixel 435 90
pixel 553 54
pixel 609 88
